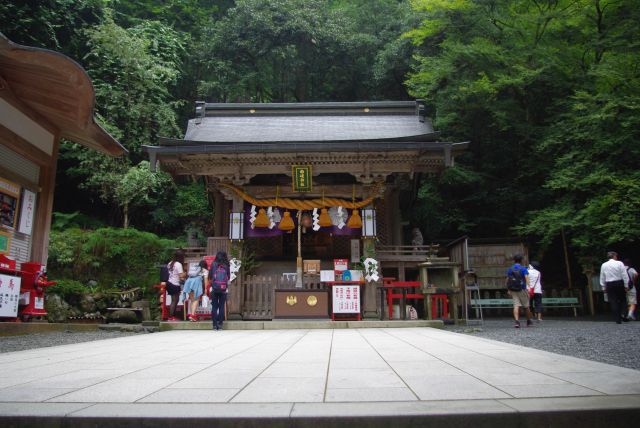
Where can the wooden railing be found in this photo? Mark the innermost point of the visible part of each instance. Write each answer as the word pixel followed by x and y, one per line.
pixel 258 296
pixel 398 252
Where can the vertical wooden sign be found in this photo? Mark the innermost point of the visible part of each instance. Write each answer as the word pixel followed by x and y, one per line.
pixel 301 176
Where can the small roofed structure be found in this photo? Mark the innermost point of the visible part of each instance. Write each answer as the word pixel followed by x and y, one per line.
pixel 44 96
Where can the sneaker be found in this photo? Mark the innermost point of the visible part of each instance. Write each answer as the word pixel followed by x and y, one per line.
pixel 517 324
pixel 529 323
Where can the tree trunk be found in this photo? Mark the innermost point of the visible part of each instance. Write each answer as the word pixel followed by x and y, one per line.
pixel 125 214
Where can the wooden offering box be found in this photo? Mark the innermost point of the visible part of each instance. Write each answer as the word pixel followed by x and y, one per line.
pixel 294 303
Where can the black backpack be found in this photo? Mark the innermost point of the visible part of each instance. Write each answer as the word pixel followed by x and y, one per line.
pixel 164 274
pixel 514 279
pixel 219 277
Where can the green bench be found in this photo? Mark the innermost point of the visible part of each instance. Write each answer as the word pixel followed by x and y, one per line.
pixel 547 303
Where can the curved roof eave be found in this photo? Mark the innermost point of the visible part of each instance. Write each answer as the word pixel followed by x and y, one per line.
pixel 57 89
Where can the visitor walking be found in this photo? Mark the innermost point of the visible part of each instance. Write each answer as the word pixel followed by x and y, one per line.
pixel 614 281
pixel 219 280
pixel 535 289
pixel 632 293
pixel 176 276
pixel 516 282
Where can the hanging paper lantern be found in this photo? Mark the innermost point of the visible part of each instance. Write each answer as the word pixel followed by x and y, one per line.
pixel 355 222
pixel 325 220
pixel 286 223
pixel 262 220
pixel 306 220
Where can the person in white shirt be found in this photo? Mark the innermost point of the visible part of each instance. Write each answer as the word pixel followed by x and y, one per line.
pixel 176 276
pixel 535 289
pixel 614 281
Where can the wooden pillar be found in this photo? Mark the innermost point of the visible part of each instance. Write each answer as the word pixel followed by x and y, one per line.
pixel 220 213
pixel 370 289
pixel 44 208
pixel 393 216
pixel 235 295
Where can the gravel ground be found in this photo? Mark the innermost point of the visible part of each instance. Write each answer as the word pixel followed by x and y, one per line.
pixel 43 340
pixel 603 341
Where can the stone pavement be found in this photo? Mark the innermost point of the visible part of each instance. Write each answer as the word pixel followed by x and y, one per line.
pixel 363 377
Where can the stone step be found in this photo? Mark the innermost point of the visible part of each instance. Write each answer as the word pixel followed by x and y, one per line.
pixel 298 324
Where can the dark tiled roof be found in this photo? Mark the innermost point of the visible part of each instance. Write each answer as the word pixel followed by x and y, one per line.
pixel 263 129
pixel 309 122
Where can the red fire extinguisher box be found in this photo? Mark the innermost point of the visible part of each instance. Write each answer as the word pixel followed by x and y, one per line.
pixel 33 283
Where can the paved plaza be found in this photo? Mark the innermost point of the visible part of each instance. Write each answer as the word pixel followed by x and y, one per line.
pixel 284 374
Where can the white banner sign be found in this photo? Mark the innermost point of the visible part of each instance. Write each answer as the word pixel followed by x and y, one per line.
pixel 9 295
pixel 346 299
pixel 27 211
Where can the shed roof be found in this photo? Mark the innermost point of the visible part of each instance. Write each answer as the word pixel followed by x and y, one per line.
pixel 57 89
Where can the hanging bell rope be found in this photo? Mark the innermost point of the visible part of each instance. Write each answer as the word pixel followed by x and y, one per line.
pixel 305 204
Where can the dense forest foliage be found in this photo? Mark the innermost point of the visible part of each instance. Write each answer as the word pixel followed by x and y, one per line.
pixel 547 91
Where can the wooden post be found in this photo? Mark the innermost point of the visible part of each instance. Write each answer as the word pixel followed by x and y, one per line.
pixel 299 258
pixel 235 294
pixel 589 274
pixel 369 295
pixel 566 257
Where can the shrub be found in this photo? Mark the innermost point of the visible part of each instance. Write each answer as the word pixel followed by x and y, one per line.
pixel 112 257
pixel 69 287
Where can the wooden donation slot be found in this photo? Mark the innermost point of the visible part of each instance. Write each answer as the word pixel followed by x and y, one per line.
pixel 294 303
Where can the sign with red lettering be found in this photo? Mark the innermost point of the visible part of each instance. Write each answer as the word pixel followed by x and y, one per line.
pixel 9 295
pixel 346 299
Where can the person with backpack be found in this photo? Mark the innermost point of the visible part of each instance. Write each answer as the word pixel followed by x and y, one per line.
pixel 219 281
pixel 535 289
pixel 517 281
pixel 632 295
pixel 614 281
pixel 176 276
pixel 194 286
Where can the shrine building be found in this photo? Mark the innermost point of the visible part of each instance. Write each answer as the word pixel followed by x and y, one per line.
pixel 298 185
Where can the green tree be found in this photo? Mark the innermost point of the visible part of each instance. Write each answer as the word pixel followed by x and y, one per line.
pixel 594 143
pixel 493 73
pixel 133 71
pixel 51 24
pixel 139 187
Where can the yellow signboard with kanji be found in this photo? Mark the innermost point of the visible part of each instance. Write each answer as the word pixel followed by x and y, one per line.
pixel 302 179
